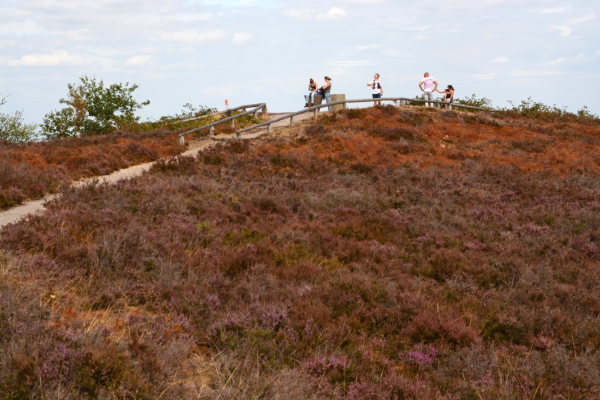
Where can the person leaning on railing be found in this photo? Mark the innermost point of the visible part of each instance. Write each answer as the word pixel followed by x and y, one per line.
pixel 326 88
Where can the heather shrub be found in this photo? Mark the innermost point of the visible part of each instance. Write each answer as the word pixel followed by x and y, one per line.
pixel 320 266
pixel 33 170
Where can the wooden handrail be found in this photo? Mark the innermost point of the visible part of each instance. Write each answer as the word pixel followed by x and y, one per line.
pixel 316 109
pixel 254 111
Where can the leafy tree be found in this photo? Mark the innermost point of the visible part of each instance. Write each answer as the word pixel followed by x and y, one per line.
pixel 93 109
pixel 13 128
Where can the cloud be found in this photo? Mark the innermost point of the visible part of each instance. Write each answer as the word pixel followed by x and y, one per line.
pixel 556 62
pixel 140 60
pixel 193 17
pixel 597 53
pixel 241 38
pixel 349 63
pixel 563 29
pixel 535 72
pixel 499 60
pixel 194 37
pixel 364 1
pixel 551 10
pixel 7 43
pixel 585 18
pixel 77 35
pixel 420 37
pixel 225 90
pixel 56 59
pixel 332 15
pixel 298 14
pixel 578 57
pixel 484 77
pixel 369 46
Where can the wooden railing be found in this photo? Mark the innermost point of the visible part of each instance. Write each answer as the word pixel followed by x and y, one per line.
pixel 255 109
pixel 315 110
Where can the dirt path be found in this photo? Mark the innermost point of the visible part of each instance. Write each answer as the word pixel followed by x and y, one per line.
pixel 31 207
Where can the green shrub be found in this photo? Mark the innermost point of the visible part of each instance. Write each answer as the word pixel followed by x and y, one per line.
pixel 13 128
pixel 93 109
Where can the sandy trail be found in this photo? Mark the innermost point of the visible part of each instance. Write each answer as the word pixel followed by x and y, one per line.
pixel 31 207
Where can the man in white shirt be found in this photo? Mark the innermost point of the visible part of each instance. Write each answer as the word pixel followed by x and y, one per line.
pixel 377 88
pixel 427 86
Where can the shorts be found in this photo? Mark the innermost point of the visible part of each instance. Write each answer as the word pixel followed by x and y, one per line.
pixel 377 96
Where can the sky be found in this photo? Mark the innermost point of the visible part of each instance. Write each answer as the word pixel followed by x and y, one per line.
pixel 249 51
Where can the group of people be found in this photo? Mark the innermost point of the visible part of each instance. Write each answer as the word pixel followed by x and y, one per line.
pixel 428 86
pixel 314 89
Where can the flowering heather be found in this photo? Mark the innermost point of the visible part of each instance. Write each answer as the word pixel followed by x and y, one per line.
pixel 370 254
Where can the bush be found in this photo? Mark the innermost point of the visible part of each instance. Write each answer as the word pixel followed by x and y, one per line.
pixel 14 129
pixel 474 101
pixel 93 110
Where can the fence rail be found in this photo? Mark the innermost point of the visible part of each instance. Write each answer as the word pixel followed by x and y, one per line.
pixel 315 110
pixel 255 109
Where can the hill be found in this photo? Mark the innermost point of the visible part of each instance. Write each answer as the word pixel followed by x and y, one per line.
pixel 367 254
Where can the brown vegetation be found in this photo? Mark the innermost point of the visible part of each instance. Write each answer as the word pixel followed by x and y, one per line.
pixel 379 253
pixel 33 170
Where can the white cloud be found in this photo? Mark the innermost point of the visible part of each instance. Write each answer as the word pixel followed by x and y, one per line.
pixel 370 46
pixel 226 90
pixel 420 37
pixel 7 43
pixel 597 53
pixel 241 38
pixel 77 35
pixel 349 63
pixel 535 72
pixel 364 1
pixel 56 59
pixel 140 60
pixel 585 18
pixel 551 10
pixel 563 30
pixel 332 15
pixel 484 77
pixel 298 14
pixel 194 37
pixel 499 60
pixel 556 62
pixel 578 57
pixel 193 17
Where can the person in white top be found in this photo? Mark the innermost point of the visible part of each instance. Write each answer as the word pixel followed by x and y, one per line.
pixel 428 85
pixel 377 89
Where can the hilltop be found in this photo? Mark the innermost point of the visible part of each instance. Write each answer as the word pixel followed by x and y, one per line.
pixel 366 254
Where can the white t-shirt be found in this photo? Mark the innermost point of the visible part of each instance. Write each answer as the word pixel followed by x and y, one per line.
pixel 428 83
pixel 377 87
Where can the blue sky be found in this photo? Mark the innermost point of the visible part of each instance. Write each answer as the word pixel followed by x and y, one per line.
pixel 247 51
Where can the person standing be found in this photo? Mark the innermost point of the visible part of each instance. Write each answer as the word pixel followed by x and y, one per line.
pixel 428 85
pixel 312 89
pixel 327 91
pixel 377 89
pixel 449 95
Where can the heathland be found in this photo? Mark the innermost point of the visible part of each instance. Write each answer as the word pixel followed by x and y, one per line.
pixel 366 254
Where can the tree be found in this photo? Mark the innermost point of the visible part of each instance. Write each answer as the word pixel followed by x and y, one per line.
pixel 13 128
pixel 93 109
